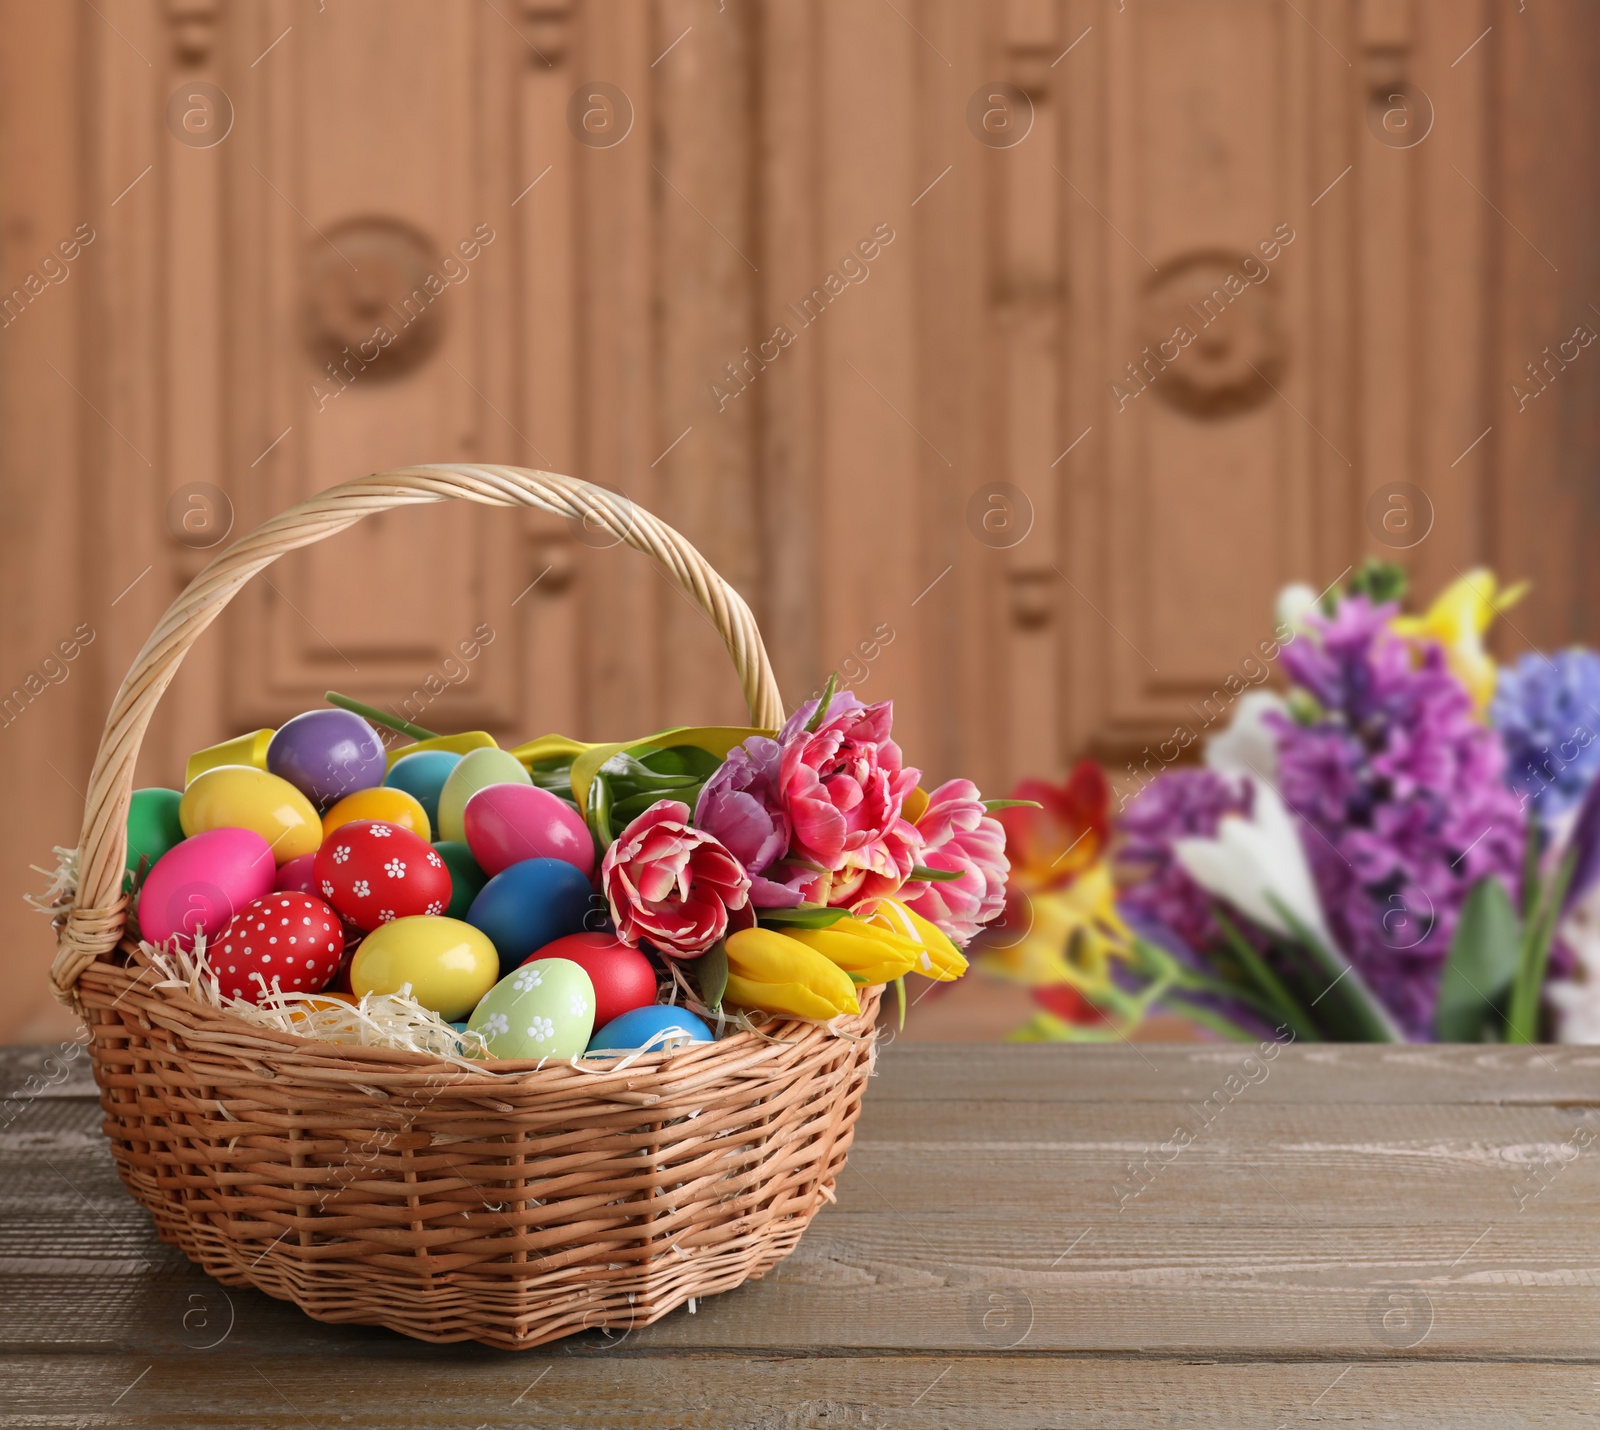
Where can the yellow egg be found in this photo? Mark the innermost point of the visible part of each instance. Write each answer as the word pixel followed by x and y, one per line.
pixel 449 964
pixel 386 802
pixel 243 797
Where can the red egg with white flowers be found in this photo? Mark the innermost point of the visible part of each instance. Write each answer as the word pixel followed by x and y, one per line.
pixel 373 872
pixel 291 939
pixel 623 978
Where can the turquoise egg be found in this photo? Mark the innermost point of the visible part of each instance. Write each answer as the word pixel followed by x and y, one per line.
pixel 422 776
pixel 657 1027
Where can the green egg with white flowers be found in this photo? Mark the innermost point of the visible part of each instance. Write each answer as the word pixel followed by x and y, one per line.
pixel 478 770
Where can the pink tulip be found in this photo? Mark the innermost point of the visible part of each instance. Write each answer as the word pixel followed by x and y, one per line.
pixel 960 836
pixel 842 788
pixel 677 887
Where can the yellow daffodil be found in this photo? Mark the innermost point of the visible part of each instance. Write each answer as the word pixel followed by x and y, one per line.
pixel 778 973
pixel 1457 620
pixel 936 956
pixel 1073 935
pixel 868 952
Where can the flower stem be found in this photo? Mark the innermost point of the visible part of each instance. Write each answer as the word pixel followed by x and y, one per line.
pixel 379 717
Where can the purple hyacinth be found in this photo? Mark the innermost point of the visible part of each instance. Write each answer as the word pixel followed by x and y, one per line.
pixel 1404 794
pixel 1547 709
pixel 1154 887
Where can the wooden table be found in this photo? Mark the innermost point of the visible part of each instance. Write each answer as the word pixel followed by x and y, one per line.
pixel 1352 1236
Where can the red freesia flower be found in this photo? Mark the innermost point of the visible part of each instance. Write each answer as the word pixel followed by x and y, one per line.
pixel 672 885
pixel 1050 847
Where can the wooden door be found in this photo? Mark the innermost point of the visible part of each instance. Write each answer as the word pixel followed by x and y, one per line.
pixel 879 304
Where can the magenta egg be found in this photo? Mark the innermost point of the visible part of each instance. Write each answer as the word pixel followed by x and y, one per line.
pixel 297 876
pixel 202 883
pixel 509 823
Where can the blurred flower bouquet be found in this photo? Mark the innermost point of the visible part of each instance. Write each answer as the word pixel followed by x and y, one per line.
pixel 1404 846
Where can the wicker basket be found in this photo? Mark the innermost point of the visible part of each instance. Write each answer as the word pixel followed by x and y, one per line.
pixel 511 1206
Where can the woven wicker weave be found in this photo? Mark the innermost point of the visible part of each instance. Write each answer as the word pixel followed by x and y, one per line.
pixel 510 1206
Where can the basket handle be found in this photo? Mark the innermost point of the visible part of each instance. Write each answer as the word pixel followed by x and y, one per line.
pixel 93 925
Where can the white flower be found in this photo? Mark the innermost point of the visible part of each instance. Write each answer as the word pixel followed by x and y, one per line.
pixel 327 889
pixel 1247 746
pixel 1295 602
pixel 1251 858
pixel 540 1029
pixel 380 831
pixel 395 869
pixel 495 1024
pixel 341 852
pixel 528 978
pixel 579 1005
pixel 385 916
pixel 436 907
pixel 434 859
pixel 1577 999
pixel 361 888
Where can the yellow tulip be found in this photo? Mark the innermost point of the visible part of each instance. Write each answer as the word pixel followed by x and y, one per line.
pixel 771 971
pixel 1457 620
pixel 869 952
pixel 1073 935
pixel 937 957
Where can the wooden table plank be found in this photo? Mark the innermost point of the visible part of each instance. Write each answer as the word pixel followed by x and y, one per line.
pixel 1409 1236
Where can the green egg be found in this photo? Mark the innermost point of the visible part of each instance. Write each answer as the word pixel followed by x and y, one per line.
pixel 466 878
pixel 478 770
pixel 153 826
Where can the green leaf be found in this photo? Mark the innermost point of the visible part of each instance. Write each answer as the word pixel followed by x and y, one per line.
pixel 1255 967
pixel 711 971
pixel 806 916
pixel 993 804
pixel 1484 955
pixel 1527 988
pixel 598 814
pixel 377 716
pixel 824 701
pixel 1348 990
pixel 900 993
pixel 922 874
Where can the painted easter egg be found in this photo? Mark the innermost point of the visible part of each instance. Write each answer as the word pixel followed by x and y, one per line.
pixel 373 873
pixel 153 825
pixel 529 905
pixel 460 743
pixel 506 824
pixel 623 978
pixel 545 1009
pixel 202 883
pixel 449 964
pixel 243 797
pixel 298 876
pixel 326 754
pixel 478 770
pixel 422 776
pixel 466 878
pixel 656 1028
pixel 392 806
pixel 293 938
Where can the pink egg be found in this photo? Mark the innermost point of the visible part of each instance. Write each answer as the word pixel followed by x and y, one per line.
pixel 509 823
pixel 202 883
pixel 297 876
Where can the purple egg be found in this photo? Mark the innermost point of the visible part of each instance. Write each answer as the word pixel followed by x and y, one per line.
pixel 202 883
pixel 509 823
pixel 327 754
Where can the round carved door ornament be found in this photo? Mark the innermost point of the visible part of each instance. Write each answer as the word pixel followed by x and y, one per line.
pixel 1210 320
pixel 372 297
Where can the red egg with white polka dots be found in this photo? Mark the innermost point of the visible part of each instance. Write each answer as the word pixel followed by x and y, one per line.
pixel 373 872
pixel 291 937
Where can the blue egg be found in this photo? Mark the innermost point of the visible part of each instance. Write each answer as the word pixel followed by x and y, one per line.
pixel 529 905
pixel 650 1027
pixel 422 776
